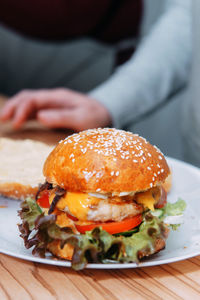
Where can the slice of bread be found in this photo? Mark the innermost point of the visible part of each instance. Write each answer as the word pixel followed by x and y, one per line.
pixel 21 163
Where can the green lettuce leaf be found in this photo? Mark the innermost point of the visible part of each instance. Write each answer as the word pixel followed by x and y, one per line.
pixel 30 210
pixel 39 230
pixel 175 209
pixel 95 246
pixel 172 213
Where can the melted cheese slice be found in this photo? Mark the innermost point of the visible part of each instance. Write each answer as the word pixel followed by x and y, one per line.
pixel 146 199
pixel 76 204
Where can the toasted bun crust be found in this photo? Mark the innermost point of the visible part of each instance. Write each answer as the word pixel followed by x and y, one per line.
pixel 65 253
pixel 21 167
pixel 17 190
pixel 105 160
pixel 54 247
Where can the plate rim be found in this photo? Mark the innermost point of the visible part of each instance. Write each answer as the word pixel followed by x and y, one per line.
pixel 62 263
pixel 150 263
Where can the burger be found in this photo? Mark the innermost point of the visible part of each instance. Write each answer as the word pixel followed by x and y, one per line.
pixel 103 200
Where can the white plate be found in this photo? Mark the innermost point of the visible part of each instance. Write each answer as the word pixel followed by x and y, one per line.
pixel 181 244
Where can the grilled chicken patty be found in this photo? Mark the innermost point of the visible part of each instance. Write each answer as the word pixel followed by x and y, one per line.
pixel 106 211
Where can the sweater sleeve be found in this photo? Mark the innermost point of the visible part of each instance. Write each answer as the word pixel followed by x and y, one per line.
pixel 159 66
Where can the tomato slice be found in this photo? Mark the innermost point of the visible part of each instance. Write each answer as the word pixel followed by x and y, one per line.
pixel 113 227
pixel 43 199
pixel 71 217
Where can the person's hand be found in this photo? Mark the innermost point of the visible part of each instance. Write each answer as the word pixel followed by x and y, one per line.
pixel 56 108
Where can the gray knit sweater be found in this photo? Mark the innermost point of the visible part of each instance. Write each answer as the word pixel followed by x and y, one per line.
pixel 159 67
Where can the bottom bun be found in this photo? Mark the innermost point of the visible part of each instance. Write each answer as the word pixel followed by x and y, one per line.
pixel 65 253
pixel 68 250
pixel 54 247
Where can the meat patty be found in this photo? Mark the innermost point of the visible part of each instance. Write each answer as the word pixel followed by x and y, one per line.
pixel 106 211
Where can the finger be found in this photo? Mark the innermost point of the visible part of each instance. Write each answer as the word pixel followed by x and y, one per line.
pixel 8 110
pixel 55 99
pixel 23 112
pixel 41 99
pixel 58 118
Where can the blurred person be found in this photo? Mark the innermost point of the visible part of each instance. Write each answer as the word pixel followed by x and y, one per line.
pixel 191 108
pixel 158 67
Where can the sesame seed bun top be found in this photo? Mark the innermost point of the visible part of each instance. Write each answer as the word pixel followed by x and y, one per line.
pixel 105 160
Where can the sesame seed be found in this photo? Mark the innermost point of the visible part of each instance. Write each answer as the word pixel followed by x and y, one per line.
pixel 141 153
pixel 99 174
pixel 110 143
pixel 84 150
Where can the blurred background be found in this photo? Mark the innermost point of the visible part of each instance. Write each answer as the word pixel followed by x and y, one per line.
pixel 94 64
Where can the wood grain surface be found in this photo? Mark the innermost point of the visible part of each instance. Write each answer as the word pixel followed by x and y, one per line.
pixel 21 279
pixel 26 280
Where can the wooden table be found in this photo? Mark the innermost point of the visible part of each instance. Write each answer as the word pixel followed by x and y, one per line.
pixel 26 280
